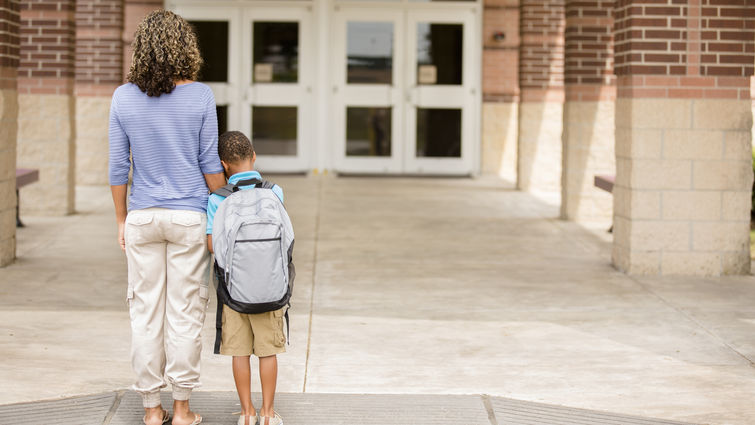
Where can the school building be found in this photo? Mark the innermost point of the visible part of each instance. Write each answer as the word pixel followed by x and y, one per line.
pixel 545 94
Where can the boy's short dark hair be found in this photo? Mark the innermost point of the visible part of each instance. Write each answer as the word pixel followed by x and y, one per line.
pixel 234 146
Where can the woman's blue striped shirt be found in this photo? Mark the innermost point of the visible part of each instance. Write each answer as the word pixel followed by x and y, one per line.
pixel 172 140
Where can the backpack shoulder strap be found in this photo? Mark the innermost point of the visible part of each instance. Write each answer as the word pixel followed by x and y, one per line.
pixel 225 191
pixel 230 188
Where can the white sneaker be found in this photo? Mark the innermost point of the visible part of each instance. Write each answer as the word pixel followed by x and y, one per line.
pixel 275 420
pixel 253 420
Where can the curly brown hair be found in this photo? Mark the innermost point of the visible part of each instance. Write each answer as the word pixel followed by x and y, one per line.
pixel 165 51
pixel 234 146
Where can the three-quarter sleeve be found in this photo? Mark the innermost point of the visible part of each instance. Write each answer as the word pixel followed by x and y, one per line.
pixel 209 162
pixel 119 164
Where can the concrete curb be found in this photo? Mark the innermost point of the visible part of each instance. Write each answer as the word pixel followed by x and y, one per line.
pixel 124 408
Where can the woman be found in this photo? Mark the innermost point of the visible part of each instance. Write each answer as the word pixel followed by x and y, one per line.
pixel 163 126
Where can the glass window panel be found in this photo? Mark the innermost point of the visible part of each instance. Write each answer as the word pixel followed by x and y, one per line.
pixel 213 46
pixel 274 130
pixel 439 46
pixel 222 112
pixel 276 52
pixel 438 132
pixel 368 131
pixel 369 53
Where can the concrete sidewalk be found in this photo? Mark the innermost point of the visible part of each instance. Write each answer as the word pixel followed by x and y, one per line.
pixel 410 286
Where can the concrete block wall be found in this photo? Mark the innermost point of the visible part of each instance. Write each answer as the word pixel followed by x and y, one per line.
pixel 46 104
pixel 99 70
pixel 541 83
pixel 683 137
pixel 9 54
pixel 590 95
pixel 500 74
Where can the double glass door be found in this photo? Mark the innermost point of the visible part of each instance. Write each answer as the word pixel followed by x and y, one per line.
pixel 393 85
pixel 258 63
pixel 404 91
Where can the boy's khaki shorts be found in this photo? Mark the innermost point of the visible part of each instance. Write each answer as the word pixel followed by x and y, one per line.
pixel 247 334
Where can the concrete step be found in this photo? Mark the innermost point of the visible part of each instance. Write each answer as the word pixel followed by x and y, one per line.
pixel 217 408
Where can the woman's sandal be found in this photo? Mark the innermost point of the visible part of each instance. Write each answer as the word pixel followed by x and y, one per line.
pixel 166 417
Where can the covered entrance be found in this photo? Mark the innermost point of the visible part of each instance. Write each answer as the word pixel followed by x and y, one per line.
pixel 350 86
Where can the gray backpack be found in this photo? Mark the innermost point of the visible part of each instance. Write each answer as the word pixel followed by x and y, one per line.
pixel 253 241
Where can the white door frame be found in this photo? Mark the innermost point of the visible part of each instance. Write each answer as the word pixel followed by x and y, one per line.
pixel 366 95
pixel 440 96
pixel 297 94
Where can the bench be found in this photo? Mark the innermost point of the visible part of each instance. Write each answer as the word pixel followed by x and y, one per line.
pixel 605 182
pixel 24 176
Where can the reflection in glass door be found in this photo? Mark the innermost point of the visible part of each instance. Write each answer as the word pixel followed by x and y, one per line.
pixel 367 91
pixel 440 109
pixel 215 31
pixel 404 91
pixel 278 80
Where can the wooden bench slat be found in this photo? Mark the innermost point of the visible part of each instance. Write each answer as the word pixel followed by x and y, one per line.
pixel 25 176
pixel 605 182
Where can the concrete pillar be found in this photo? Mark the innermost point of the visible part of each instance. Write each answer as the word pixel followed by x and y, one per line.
pixel 500 88
pixel 9 30
pixel 541 82
pixel 46 105
pixel 588 137
pixel 683 151
pixel 99 70
pixel 133 13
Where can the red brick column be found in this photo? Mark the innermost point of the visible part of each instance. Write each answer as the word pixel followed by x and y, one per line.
pixel 683 131
pixel 588 137
pixel 541 82
pixel 133 13
pixel 99 70
pixel 9 54
pixel 46 106
pixel 500 88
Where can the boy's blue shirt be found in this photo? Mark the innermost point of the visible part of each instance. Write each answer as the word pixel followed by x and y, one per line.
pixel 213 202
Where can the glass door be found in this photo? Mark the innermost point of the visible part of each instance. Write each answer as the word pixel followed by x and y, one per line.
pixel 217 31
pixel 440 110
pixel 278 77
pixel 367 87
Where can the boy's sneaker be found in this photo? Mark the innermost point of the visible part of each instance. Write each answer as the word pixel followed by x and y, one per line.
pixel 253 420
pixel 275 420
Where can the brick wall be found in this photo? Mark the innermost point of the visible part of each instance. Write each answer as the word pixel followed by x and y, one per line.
pixel 664 48
pixel 9 54
pixel 588 70
pixel 99 48
pixel 500 57
pixel 9 24
pixel 47 47
pixel 541 60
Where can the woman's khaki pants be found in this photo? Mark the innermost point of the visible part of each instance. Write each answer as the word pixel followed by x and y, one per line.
pixel 168 277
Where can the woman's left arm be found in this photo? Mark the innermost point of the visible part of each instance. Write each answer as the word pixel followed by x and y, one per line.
pixel 209 161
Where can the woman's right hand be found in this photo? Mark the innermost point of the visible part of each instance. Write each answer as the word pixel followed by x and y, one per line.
pixel 121 233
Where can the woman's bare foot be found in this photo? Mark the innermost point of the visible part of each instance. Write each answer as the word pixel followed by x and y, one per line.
pixel 182 415
pixel 154 415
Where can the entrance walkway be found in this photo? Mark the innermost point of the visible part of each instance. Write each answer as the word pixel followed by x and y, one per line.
pixel 410 286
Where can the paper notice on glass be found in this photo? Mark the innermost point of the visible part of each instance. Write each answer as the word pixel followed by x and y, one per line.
pixel 427 74
pixel 263 72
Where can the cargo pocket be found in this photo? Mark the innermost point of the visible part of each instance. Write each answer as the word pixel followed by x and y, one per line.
pixel 280 338
pixel 129 297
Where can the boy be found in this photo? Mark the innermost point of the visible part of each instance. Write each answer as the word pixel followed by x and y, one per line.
pixel 247 334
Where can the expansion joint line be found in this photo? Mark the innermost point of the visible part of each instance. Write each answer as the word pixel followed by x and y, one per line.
pixel 314 275
pixel 114 408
